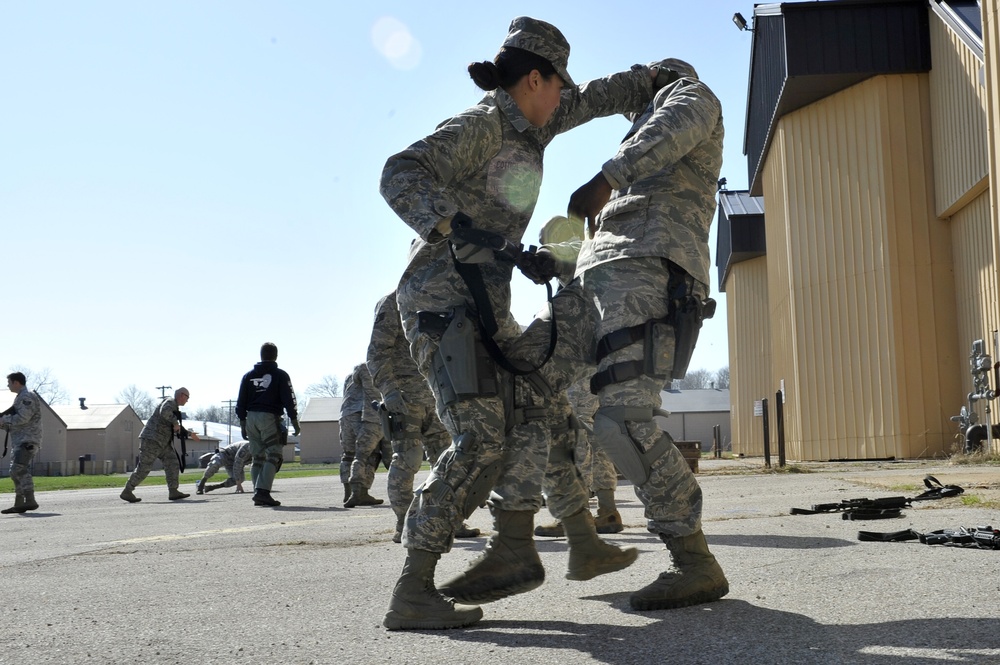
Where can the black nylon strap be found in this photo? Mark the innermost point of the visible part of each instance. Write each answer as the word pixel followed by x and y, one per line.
pixel 619 339
pixel 616 374
pixel 473 278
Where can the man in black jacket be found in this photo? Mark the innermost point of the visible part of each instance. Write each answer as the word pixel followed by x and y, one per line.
pixel 266 392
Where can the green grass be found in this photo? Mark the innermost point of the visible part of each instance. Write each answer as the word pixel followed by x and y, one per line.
pixel 49 483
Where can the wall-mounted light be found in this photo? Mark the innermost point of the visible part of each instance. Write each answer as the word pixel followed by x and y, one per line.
pixel 741 22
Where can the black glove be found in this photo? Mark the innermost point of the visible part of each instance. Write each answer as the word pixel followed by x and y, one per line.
pixel 243 430
pixel 539 266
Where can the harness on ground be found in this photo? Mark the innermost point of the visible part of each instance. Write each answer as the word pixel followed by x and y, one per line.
pixel 981 537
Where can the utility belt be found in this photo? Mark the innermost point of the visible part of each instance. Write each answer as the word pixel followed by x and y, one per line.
pixel 685 314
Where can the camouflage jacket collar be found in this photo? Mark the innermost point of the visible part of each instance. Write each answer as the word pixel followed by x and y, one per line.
pixel 510 109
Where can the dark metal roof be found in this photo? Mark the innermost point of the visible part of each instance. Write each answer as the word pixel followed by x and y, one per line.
pixel 741 233
pixel 805 51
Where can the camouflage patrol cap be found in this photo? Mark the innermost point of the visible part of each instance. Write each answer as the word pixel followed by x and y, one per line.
pixel 682 68
pixel 544 40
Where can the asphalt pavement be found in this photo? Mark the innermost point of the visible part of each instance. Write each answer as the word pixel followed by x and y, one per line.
pixel 214 579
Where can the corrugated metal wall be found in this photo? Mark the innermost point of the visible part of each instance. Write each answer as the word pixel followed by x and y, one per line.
pixel 958 117
pixel 859 271
pixel 749 352
pixel 991 37
pixel 975 284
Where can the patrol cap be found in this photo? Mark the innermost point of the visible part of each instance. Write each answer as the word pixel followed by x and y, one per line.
pixel 544 40
pixel 682 68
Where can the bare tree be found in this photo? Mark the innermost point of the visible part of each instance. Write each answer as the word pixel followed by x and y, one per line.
pixel 215 414
pixel 141 402
pixel 722 378
pixel 695 379
pixel 43 383
pixel 329 386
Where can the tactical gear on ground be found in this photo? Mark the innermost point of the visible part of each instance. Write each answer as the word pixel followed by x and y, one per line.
pixel 360 497
pixel 509 565
pixel 417 605
pixel 128 495
pixel 589 556
pixel 697 578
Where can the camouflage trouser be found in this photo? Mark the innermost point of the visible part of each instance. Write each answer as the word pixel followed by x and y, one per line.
pixel 422 430
pixel 576 317
pixel 263 430
pixel 439 504
pixel 21 457
pixel 149 452
pixel 630 292
pixel 350 425
pixel 519 487
pixel 368 442
pixel 213 467
pixel 603 474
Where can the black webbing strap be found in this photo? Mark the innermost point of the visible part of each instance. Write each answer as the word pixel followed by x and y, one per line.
pixel 617 373
pixel 890 537
pixel 936 490
pixel 619 339
pixel 473 278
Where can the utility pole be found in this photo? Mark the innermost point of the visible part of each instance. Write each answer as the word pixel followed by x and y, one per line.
pixel 229 422
pixel 163 391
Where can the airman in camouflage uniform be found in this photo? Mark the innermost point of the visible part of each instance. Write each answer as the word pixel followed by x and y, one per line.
pixel 409 406
pixel 24 425
pixel 233 458
pixel 370 447
pixel 156 443
pixel 487 164
pixel 649 211
pixel 350 425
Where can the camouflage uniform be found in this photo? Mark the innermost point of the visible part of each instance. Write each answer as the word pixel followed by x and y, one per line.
pixel 369 447
pixel 486 163
pixel 25 428
pixel 233 458
pixel 665 177
pixel 156 443
pixel 350 422
pixel 392 369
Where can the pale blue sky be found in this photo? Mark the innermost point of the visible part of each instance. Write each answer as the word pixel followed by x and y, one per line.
pixel 181 181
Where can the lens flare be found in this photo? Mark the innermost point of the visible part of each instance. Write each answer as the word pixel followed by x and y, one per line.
pixel 393 40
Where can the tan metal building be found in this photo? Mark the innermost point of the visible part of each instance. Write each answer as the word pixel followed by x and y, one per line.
pixel 319 440
pixel 867 139
pixel 105 435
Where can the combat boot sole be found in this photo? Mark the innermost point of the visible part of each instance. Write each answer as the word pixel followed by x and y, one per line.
pixel 554 530
pixel 674 590
pixel 479 585
pixel 403 615
pixel 609 561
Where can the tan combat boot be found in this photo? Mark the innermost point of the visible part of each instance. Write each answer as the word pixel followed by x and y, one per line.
pixel 551 530
pixel 417 605
pixel 18 506
pixel 175 494
pixel 29 501
pixel 360 497
pixel 128 495
pixel 589 556
pixel 698 577
pixel 509 565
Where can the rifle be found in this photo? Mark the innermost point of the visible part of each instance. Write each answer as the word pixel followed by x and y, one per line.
pixel 860 509
pixel 6 436
pixel 182 435
pixel 884 508
pixel 981 537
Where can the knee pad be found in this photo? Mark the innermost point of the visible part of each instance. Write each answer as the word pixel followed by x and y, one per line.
pixel 460 468
pixel 611 433
pixel 408 455
pixel 274 456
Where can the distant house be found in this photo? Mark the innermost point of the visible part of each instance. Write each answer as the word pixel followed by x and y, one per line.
pixel 694 414
pixel 51 459
pixel 105 435
pixel 319 441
